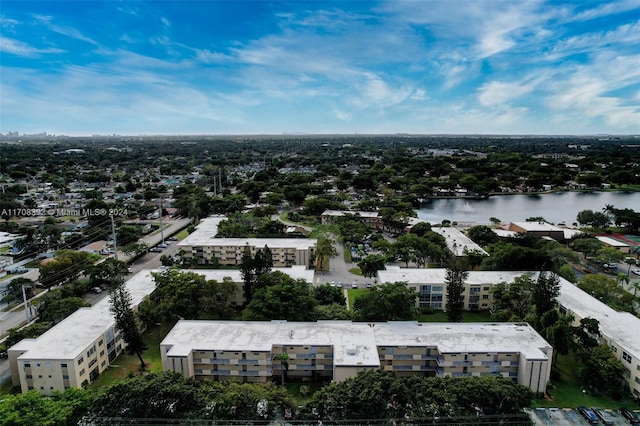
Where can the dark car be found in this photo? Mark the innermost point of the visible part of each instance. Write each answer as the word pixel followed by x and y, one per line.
pixel 631 416
pixel 588 414
pixel 606 418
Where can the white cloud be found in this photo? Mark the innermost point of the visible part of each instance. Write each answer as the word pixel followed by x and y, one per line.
pixel 19 48
pixel 47 22
pixel 497 92
pixel 165 22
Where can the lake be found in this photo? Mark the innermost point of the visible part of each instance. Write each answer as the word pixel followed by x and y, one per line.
pixel 554 207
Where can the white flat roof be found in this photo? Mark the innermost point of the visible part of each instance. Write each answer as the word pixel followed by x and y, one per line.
pixel 73 335
pixel 187 336
pixel 611 241
pixel 464 337
pixel 537 226
pixel 345 212
pixel 504 233
pixel 205 235
pixel 437 276
pixel 457 242
pixel 621 327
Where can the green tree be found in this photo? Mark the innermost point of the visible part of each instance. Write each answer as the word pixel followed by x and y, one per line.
pixel 285 299
pixel 30 408
pixel 387 302
pixel 127 234
pixel 371 264
pixel 335 311
pixel 325 250
pixel 513 301
pixel 545 293
pixel 54 310
pixel 102 273
pixel 601 370
pixel 455 278
pixel 283 359
pixel 125 319
pixel 328 295
pixel 482 235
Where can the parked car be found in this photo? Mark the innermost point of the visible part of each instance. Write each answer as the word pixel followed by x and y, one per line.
pixel 635 271
pixel 162 245
pixel 588 414
pixel 606 418
pixel 172 239
pixel 631 416
pixel 369 285
pixel 96 290
pixel 155 250
pixel 339 285
pixel 354 285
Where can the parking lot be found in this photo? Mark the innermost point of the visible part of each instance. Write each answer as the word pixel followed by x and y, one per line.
pixel 567 417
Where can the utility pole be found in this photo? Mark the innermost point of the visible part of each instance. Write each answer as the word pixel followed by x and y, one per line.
pixel 113 235
pixel 161 230
pixel 26 307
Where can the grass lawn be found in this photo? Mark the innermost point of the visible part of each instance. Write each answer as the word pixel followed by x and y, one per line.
pixel 182 234
pixel 356 271
pixel 566 391
pixel 353 294
pixel 129 364
pixel 293 389
pixel 346 254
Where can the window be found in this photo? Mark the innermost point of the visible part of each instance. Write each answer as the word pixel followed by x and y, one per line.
pixel 81 373
pixel 65 376
pixel 29 376
pixel 485 297
pixel 486 288
pixel 614 349
pixel 626 356
pixel 63 365
pixel 100 342
pixel 27 365
pixel 80 360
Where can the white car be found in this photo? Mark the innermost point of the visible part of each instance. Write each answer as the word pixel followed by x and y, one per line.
pixel 636 271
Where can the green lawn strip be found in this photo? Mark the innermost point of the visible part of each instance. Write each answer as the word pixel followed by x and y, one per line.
pixel 182 234
pixel 566 391
pixel 353 294
pixel 347 255
pixel 356 271
pixel 293 389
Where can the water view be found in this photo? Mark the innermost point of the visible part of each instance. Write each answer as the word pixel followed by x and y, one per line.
pixel 554 207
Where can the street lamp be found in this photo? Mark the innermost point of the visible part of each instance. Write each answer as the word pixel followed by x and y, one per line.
pixel 584 392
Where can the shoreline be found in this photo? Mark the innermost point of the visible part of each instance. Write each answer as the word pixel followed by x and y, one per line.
pixel 551 191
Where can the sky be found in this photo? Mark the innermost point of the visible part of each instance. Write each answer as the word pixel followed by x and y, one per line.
pixel 324 67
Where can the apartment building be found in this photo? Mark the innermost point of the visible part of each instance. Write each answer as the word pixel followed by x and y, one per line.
pixel 75 351
pixel 619 330
pixel 82 346
pixel 371 219
pixel 203 245
pixel 337 350
pixel 430 283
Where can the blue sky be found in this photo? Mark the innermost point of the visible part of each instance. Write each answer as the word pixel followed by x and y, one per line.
pixel 235 67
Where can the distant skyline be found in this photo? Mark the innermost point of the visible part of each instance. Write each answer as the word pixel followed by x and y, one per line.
pixel 338 67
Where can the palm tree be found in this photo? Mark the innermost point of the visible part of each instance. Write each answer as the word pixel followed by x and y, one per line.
pixel 324 249
pixel 284 364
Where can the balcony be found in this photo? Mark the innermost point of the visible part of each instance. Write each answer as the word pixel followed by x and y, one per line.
pixel 461 374
pixel 462 363
pixel 402 356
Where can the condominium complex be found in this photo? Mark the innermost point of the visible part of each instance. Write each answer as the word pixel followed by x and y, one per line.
pixel 337 350
pixel 203 246
pixel 619 330
pixel 371 219
pixel 430 283
pixel 77 350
